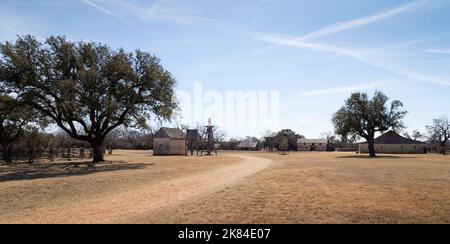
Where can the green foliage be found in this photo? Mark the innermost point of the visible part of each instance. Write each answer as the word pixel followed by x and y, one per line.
pixel 87 88
pixel 290 136
pixel 274 139
pixel 284 145
pixel 363 117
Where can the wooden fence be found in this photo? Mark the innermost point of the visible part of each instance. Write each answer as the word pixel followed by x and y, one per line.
pixel 50 154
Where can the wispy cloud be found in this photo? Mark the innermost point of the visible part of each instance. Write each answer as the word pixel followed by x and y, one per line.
pixel 347 25
pixel 373 57
pixel 162 11
pixel 102 9
pixel 416 41
pixel 285 40
pixel 351 24
pixel 343 89
pixel 439 51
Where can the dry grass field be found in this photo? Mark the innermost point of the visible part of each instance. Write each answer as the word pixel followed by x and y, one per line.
pixel 234 187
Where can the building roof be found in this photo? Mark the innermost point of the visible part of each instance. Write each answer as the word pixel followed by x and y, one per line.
pixel 323 141
pixel 248 144
pixel 391 137
pixel 171 133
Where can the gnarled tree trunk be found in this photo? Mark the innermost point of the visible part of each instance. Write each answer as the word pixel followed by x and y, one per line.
pixel 371 145
pixel 97 151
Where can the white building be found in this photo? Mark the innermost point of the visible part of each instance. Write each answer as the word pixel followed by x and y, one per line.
pixel 248 146
pixel 169 141
pixel 391 142
pixel 310 145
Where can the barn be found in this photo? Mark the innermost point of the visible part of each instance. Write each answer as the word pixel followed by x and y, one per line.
pixel 309 145
pixel 391 142
pixel 248 146
pixel 169 141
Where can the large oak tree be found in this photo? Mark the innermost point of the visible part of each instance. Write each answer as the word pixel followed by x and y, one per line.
pixel 364 117
pixel 87 88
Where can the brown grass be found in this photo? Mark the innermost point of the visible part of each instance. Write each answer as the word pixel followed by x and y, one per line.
pixel 231 188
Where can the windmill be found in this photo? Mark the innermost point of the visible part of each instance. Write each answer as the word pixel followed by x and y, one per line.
pixel 201 140
pixel 210 142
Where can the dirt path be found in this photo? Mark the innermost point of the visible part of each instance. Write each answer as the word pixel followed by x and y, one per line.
pixel 131 204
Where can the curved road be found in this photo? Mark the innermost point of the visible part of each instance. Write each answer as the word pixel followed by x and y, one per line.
pixel 128 205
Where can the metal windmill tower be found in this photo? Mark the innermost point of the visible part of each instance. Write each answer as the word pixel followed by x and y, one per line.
pixel 210 143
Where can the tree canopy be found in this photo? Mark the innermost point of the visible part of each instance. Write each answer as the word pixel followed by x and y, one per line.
pixel 273 140
pixel 363 117
pixel 291 136
pixel 87 88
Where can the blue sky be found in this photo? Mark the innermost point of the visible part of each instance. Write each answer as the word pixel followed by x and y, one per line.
pixel 315 53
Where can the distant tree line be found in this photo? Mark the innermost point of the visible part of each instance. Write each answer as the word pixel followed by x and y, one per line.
pixel 285 139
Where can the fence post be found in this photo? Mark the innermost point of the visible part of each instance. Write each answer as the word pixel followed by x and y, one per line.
pixel 30 155
pixel 82 153
pixel 51 154
pixel 68 154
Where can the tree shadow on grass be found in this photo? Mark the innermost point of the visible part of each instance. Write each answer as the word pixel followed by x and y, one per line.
pixel 52 170
pixel 377 157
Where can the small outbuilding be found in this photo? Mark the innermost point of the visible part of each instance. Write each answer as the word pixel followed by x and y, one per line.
pixel 393 143
pixel 248 146
pixel 169 141
pixel 312 145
